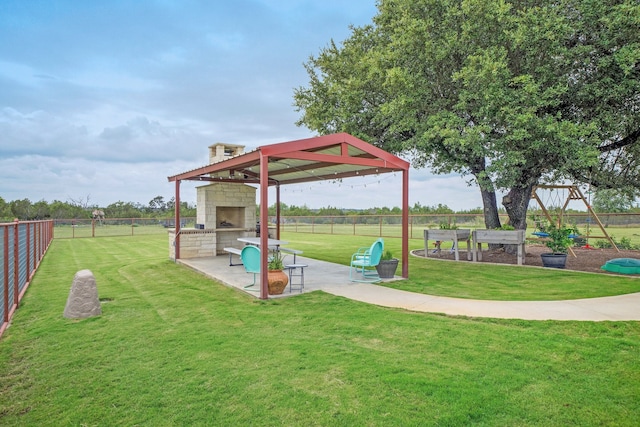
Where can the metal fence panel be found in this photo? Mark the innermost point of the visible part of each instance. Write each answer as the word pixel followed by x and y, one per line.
pixel 622 227
pixel 22 256
pixel 10 266
pixel 22 246
pixel 3 293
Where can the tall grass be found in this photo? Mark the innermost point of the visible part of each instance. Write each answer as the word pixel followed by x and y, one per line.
pixel 174 348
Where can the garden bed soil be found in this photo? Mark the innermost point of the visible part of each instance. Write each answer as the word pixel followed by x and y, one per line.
pixel 590 260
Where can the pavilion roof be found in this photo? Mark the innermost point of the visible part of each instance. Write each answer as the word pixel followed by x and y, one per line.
pixel 327 157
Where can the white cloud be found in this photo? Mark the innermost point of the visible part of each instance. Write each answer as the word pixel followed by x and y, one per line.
pixel 108 99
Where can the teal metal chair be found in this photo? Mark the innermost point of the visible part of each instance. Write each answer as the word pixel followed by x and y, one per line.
pixel 361 252
pixel 250 256
pixel 364 260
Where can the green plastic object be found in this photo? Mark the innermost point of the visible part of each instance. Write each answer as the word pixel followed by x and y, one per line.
pixel 622 266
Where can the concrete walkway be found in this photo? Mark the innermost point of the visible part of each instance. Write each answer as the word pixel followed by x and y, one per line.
pixel 622 307
pixel 334 279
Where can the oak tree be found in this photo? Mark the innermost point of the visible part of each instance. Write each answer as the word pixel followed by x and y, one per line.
pixel 509 93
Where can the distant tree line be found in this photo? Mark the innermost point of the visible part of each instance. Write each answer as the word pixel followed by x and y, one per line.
pixel 605 201
pixel 25 210
pixel 609 201
pixel 304 210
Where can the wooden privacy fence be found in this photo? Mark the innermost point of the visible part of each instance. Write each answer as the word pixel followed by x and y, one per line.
pixel 22 247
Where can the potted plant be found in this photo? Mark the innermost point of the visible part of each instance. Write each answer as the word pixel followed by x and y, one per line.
pixel 387 266
pixel 560 238
pixel 276 278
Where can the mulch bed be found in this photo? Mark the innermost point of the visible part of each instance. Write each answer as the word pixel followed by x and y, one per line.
pixel 585 260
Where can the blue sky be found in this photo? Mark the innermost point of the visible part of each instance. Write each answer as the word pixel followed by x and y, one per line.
pixel 102 100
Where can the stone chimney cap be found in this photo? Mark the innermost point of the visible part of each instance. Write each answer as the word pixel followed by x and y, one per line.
pixel 226 145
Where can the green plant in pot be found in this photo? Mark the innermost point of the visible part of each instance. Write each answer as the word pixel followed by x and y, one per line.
pixel 387 266
pixel 559 241
pixel 276 261
pixel 277 279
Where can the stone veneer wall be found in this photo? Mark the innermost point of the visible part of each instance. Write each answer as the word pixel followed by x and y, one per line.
pixel 211 240
pixel 227 195
pixel 193 243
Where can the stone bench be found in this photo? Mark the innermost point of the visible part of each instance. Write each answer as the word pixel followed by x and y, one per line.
pixel 233 251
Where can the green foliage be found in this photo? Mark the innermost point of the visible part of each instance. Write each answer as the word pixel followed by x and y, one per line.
pixel 506 227
pixel 75 209
pixel 559 242
pixel 624 243
pixel 387 255
pixel 123 210
pixel 508 93
pixel 611 201
pixel 276 261
pixel 439 209
pixel 304 210
pixel 448 226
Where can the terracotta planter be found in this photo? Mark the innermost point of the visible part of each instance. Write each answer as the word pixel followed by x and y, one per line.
pixel 554 260
pixel 387 268
pixel 276 281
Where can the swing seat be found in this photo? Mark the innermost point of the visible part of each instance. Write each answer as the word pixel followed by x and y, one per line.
pixel 540 234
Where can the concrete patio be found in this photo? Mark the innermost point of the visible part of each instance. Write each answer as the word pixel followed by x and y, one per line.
pixel 319 275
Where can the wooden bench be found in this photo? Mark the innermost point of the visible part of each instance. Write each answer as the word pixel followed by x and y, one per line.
pixel 233 251
pixel 504 237
pixel 291 251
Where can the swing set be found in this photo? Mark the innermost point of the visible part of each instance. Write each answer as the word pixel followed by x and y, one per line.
pixel 572 192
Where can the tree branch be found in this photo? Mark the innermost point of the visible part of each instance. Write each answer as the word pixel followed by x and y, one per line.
pixel 630 139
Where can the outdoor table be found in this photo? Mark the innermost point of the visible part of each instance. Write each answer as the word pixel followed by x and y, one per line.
pixel 256 241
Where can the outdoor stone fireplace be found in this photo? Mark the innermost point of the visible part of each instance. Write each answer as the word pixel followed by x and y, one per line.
pixel 225 211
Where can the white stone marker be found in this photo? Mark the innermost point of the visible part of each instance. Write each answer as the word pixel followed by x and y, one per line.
pixel 83 297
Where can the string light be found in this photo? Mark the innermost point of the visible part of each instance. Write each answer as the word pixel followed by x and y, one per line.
pixel 378 180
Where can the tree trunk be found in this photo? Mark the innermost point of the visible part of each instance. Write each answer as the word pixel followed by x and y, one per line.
pixel 490 204
pixel 516 203
pixel 488 192
pixel 489 200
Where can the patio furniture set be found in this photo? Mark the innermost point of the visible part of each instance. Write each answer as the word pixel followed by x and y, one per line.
pixel 250 258
pixel 362 265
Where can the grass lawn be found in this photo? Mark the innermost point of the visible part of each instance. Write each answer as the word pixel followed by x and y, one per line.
pixel 174 348
pixel 470 280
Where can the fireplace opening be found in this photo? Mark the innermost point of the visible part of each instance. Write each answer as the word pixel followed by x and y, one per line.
pixel 229 217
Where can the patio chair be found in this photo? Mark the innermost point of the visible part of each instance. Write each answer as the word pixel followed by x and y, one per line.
pixel 364 251
pixel 250 256
pixel 364 260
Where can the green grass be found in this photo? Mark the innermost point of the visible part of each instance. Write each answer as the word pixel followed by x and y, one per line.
pixel 108 230
pixel 174 348
pixel 416 230
pixel 470 280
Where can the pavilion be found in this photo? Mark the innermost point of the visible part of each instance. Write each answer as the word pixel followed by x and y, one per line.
pixel 327 157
